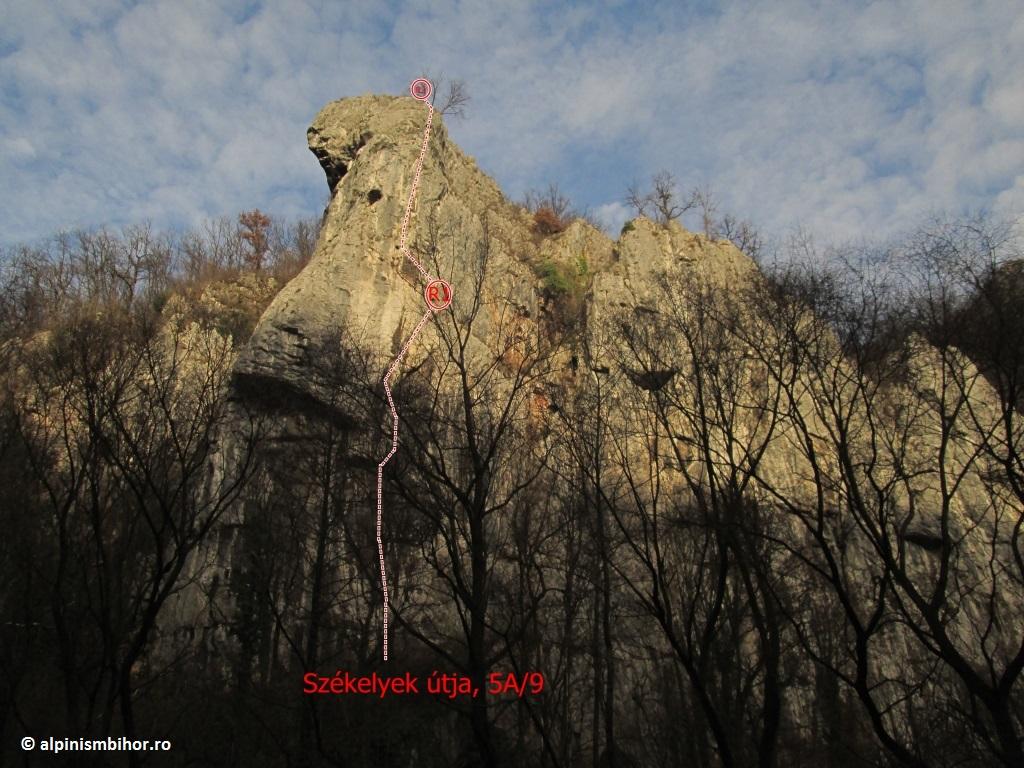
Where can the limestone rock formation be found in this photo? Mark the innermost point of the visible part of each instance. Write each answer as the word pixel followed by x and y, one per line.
pixel 358 283
pixel 598 302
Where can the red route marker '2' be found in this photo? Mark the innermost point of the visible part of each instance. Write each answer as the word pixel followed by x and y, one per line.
pixel 421 88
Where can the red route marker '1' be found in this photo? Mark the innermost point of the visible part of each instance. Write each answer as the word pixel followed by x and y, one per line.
pixel 438 295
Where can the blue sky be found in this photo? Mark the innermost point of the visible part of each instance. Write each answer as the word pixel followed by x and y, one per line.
pixel 848 119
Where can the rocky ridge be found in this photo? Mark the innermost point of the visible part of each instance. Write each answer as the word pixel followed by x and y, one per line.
pixel 358 281
pixel 585 293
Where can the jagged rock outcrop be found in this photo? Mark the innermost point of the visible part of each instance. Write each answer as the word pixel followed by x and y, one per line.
pixel 644 313
pixel 358 283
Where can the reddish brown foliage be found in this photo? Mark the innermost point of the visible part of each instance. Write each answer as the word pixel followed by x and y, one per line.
pixel 254 226
pixel 547 222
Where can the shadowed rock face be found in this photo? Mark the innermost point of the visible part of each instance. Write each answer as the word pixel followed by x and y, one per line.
pixel 358 286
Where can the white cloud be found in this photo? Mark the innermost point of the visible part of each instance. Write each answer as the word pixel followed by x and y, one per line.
pixel 612 216
pixel 19 148
pixel 850 119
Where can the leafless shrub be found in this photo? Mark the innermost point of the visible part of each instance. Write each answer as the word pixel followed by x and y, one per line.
pixel 450 97
pixel 662 202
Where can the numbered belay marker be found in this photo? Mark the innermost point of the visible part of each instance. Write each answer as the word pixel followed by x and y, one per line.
pixel 438 295
pixel 421 88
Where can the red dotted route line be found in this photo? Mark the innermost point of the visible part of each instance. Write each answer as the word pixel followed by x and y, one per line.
pixel 421 90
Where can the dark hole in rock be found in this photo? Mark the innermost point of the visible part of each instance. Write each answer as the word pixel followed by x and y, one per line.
pixel 926 541
pixel 374 195
pixel 651 381
pixel 335 162
pixel 334 168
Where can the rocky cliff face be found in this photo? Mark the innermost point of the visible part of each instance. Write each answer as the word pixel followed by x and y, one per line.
pixel 652 338
pixel 360 288
pixel 360 284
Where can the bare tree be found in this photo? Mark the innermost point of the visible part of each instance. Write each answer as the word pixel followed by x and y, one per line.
pixel 905 526
pixel 119 421
pixel 467 465
pixel 703 200
pixel 700 419
pixel 661 202
pixel 450 97
pixel 742 234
